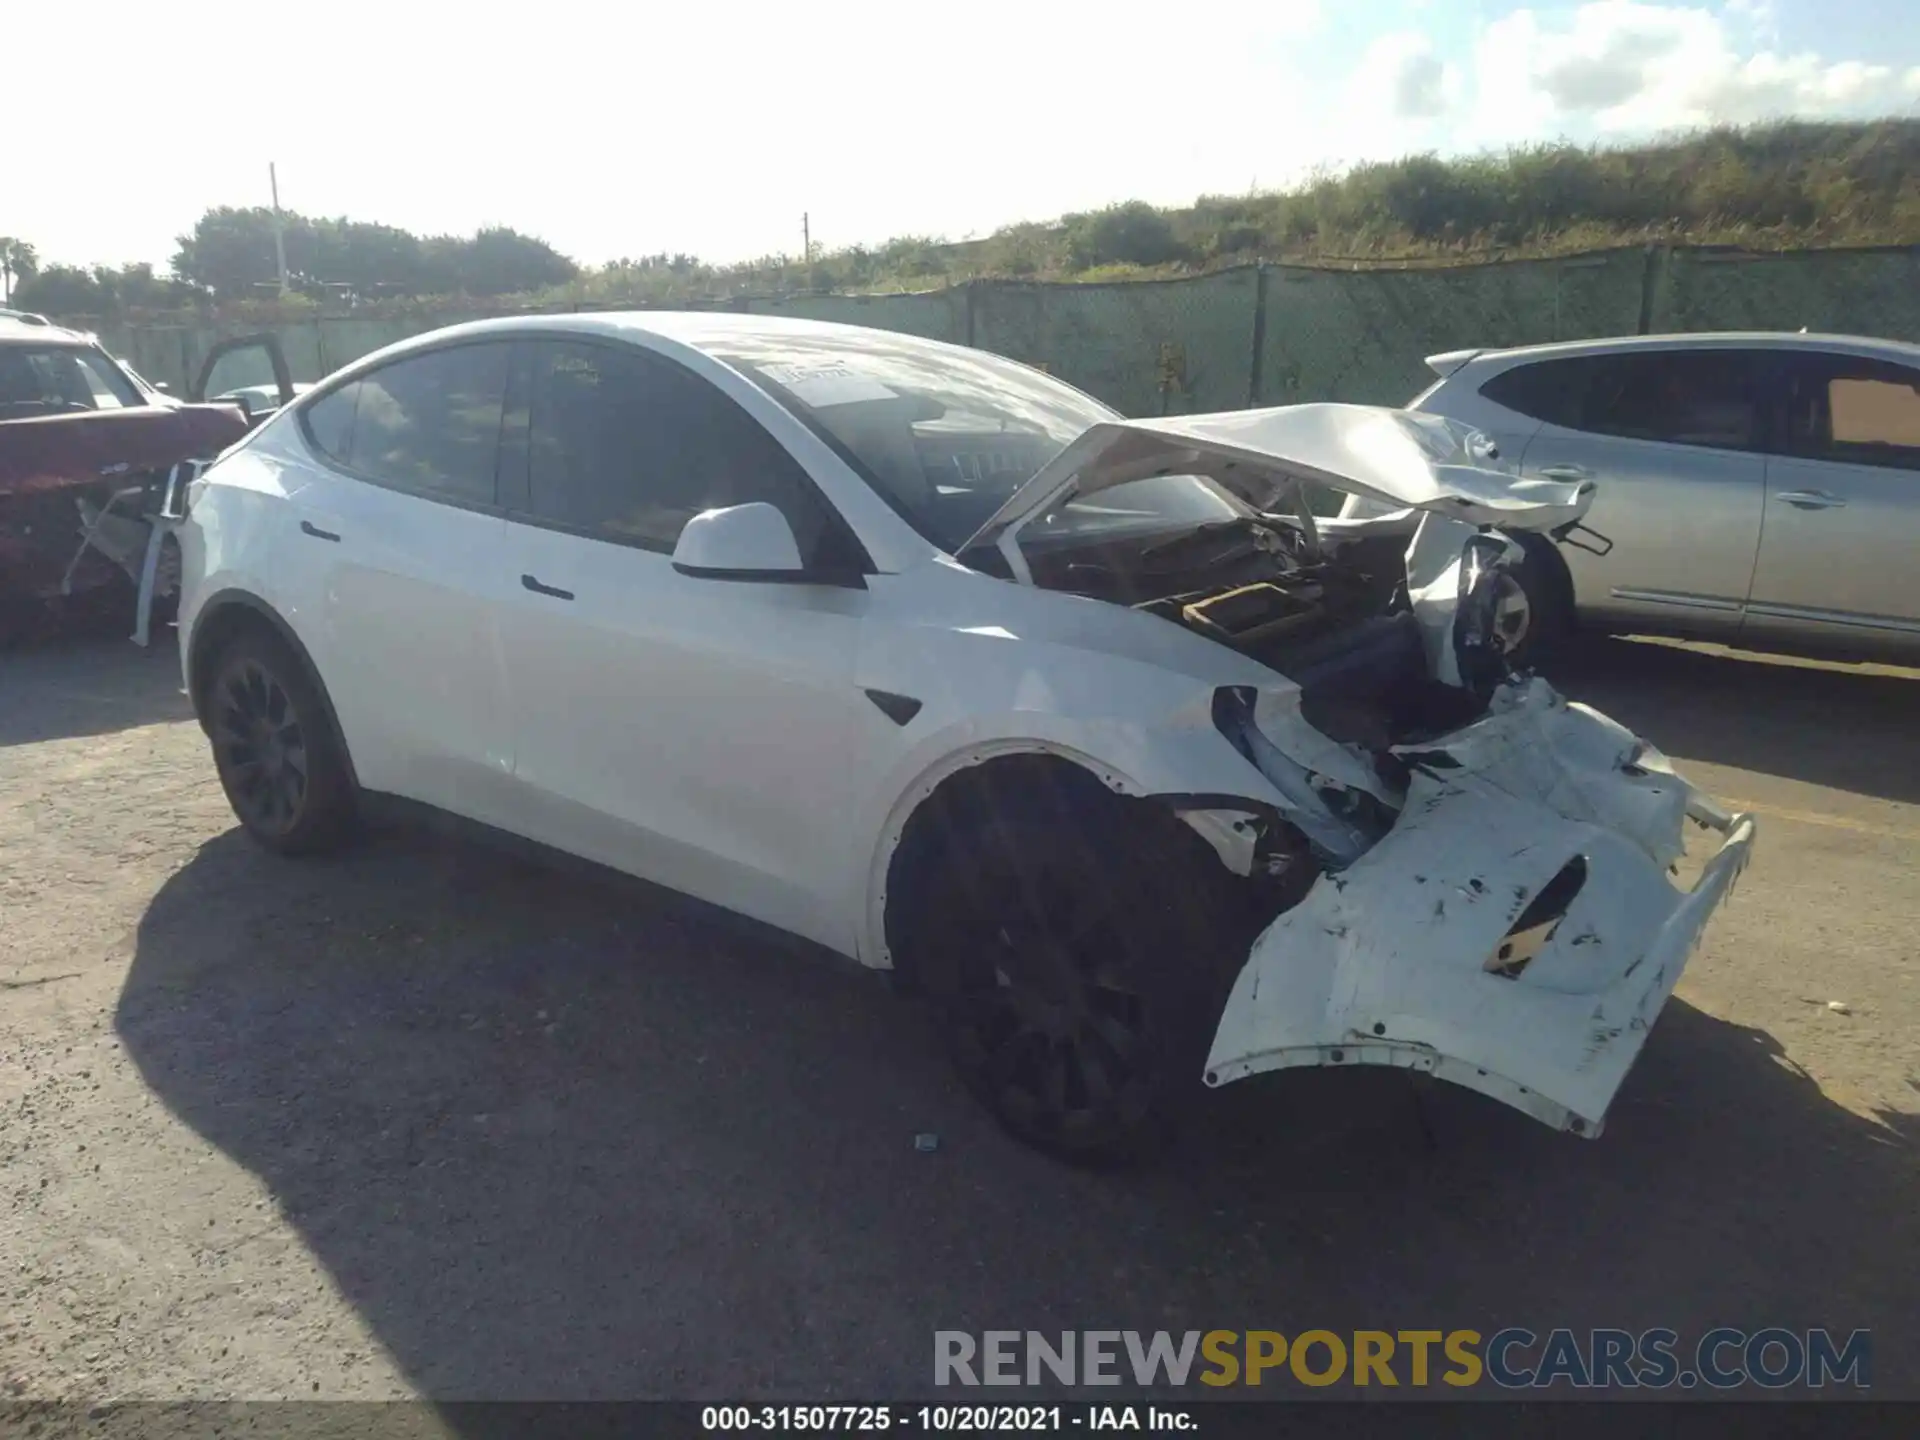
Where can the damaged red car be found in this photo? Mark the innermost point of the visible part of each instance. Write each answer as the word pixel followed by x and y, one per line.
pixel 91 464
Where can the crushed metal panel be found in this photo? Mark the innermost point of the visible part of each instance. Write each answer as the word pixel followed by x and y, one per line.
pixel 1385 962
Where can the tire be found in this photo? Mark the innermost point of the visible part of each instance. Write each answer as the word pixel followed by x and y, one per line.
pixel 1534 600
pixel 1075 977
pixel 281 762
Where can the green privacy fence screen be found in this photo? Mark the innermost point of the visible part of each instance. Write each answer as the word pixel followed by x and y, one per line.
pixel 1146 348
pixel 1857 292
pixel 935 315
pixel 1362 335
pixel 1258 335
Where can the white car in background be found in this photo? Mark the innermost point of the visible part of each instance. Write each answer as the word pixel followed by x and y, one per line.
pixel 1761 490
pixel 1077 723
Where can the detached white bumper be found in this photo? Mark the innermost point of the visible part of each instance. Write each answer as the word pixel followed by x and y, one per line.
pixel 1397 960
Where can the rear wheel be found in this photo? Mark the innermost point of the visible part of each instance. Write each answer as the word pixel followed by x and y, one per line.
pixel 1075 977
pixel 280 762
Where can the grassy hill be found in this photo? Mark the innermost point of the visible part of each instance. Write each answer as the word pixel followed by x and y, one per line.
pixel 1787 185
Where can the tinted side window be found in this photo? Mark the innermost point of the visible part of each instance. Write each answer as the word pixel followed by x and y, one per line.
pixel 1550 390
pixel 1861 412
pixel 330 422
pixel 429 423
pixel 629 446
pixel 1681 397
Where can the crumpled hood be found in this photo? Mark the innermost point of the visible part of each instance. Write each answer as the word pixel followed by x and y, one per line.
pixel 1399 458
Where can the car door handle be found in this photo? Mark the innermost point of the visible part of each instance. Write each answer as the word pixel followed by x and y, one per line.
pixel 307 527
pixel 539 589
pixel 1565 472
pixel 1811 500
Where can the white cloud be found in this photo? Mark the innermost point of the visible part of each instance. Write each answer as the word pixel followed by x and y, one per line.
pixel 1620 66
pixel 1403 70
pixel 1758 18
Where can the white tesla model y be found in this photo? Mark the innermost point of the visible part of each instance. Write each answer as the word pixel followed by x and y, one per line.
pixel 1147 775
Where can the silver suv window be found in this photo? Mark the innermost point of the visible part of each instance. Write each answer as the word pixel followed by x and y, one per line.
pixel 1854 411
pixel 1679 397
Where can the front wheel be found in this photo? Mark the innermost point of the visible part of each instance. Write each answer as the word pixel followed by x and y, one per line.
pixel 280 761
pixel 1531 616
pixel 1076 981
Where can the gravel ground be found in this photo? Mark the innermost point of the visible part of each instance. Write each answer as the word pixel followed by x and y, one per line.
pixel 428 1120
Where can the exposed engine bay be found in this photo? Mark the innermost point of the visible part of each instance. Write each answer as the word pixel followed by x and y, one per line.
pixel 1332 615
pixel 1387 624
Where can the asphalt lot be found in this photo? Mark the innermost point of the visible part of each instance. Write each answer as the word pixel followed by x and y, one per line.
pixel 430 1120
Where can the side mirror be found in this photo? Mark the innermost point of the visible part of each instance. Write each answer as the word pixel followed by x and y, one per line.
pixel 740 542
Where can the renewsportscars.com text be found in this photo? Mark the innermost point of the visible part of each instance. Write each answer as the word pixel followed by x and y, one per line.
pixel 1512 1358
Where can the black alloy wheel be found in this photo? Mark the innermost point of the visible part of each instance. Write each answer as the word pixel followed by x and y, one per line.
pixel 281 763
pixel 1046 1023
pixel 262 747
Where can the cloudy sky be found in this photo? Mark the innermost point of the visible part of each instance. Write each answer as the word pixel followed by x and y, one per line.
pixel 621 129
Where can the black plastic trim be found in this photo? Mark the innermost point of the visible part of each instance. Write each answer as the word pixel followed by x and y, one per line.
pixel 842 579
pixel 898 708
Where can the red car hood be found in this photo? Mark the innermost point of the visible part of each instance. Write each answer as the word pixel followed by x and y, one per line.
pixel 54 451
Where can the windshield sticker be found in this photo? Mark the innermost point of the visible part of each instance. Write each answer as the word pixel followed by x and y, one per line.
pixel 823 385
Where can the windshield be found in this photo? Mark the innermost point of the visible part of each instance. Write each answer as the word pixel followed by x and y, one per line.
pixel 945 434
pixel 44 380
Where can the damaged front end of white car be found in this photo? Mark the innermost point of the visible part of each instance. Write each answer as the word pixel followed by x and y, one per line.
pixel 1517 930
pixel 1495 896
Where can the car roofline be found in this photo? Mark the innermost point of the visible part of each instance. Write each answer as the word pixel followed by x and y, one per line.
pixel 41 335
pixel 700 330
pixel 1787 341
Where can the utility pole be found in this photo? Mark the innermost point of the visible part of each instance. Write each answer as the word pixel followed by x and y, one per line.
pixel 279 238
pixel 806 239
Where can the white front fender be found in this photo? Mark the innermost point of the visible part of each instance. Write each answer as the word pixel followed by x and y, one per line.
pixel 1398 959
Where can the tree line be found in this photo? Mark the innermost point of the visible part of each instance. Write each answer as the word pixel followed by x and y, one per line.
pixel 1789 184
pixel 231 254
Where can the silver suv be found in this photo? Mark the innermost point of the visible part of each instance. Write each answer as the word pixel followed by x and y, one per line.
pixel 1760 490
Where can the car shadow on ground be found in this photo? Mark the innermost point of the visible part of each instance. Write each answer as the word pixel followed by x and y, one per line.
pixel 554 1137
pixel 93 687
pixel 1775 715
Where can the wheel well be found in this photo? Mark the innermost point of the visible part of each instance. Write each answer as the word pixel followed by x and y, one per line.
pixel 1027 786
pixel 1544 553
pixel 215 630
pixel 235 613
